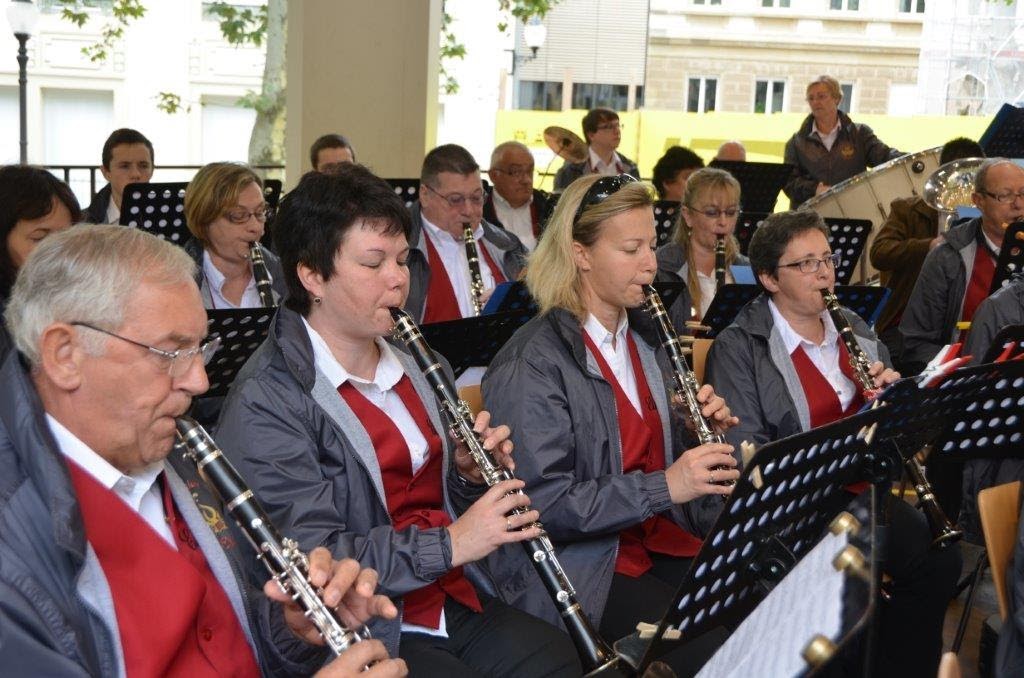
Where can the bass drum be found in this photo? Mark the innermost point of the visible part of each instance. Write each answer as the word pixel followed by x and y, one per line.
pixel 869 194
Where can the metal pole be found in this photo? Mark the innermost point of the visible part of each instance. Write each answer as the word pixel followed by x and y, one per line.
pixel 23 94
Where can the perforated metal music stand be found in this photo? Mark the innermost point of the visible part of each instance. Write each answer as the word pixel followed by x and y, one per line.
pixel 406 189
pixel 158 208
pixel 474 341
pixel 746 225
pixel 1011 256
pixel 779 510
pixel 666 215
pixel 847 237
pixel 241 332
pixel 1004 136
pixel 760 182
pixel 1011 334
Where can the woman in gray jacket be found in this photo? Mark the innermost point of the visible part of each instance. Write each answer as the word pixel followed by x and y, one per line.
pixel 586 395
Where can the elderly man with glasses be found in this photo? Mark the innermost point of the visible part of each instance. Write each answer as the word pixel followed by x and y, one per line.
pixel 783 369
pixel 957 274
pixel 452 198
pixel 117 559
pixel 514 204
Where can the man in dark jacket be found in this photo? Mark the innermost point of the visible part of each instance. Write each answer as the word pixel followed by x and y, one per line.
pixel 956 275
pixel 829 147
pixel 451 197
pixel 514 204
pixel 127 159
pixel 603 132
pixel 102 525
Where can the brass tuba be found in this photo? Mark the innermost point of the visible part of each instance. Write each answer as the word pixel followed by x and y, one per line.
pixel 951 186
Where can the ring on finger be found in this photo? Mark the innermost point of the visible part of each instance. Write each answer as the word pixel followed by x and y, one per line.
pixel 711 474
pixel 508 525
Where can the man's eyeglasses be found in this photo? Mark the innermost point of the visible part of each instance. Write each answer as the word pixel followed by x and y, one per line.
pixel 457 200
pixel 1005 198
pixel 610 126
pixel 714 212
pixel 178 362
pixel 812 265
pixel 514 171
pixel 242 216
pixel 600 190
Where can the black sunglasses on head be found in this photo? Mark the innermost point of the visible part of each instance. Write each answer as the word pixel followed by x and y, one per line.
pixel 601 190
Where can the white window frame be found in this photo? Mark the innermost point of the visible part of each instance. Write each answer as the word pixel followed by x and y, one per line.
pixel 702 93
pixel 768 95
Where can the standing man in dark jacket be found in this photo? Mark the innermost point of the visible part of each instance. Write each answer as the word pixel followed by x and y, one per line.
pixel 956 275
pixel 452 196
pixel 603 132
pixel 102 527
pixel 829 147
pixel 127 159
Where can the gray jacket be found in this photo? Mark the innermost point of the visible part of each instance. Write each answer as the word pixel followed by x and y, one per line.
pixel 313 467
pixel 504 247
pixel 195 250
pixel 934 308
pixel 546 386
pixel 1005 307
pixel 749 366
pixel 672 266
pixel 855 149
pixel 53 621
pixel 571 171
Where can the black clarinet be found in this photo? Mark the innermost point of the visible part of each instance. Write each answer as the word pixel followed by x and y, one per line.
pixel 719 262
pixel 264 283
pixel 476 281
pixel 288 566
pixel 943 531
pixel 595 653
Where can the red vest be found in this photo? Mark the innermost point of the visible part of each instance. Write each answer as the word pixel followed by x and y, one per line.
pixel 643 449
pixel 413 499
pixel 173 617
pixel 982 272
pixel 441 303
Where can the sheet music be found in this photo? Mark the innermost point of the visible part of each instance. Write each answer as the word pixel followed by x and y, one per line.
pixel 808 601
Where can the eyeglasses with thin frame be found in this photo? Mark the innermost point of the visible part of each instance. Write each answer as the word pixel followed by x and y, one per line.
pixel 714 212
pixel 179 361
pixel 241 216
pixel 1005 198
pixel 457 200
pixel 611 126
pixel 600 190
pixel 514 171
pixel 812 265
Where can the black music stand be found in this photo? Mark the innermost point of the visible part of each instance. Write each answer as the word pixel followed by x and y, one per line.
pixel 1011 256
pixel 514 297
pixel 779 510
pixel 157 208
pixel 272 196
pixel 1011 334
pixel 241 332
pixel 406 189
pixel 746 225
pixel 666 216
pixel 847 237
pixel 867 301
pixel 1004 136
pixel 726 306
pixel 760 182
pixel 474 341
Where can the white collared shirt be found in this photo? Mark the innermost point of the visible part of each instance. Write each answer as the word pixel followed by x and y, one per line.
pixel 453 255
pixel 614 348
pixel 113 213
pixel 598 166
pixel 139 491
pixel 381 392
pixel 518 220
pixel 215 283
pixel 825 356
pixel 708 283
pixel 828 139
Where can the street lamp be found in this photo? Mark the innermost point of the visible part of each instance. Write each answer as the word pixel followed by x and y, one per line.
pixel 22 16
pixel 534 35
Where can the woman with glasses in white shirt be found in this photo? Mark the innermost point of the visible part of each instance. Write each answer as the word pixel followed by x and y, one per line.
pixel 226 213
pixel 709 211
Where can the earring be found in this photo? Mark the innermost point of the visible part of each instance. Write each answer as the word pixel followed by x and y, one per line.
pixel 317 300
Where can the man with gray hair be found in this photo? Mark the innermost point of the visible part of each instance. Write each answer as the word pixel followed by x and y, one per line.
pixel 515 204
pixel 102 526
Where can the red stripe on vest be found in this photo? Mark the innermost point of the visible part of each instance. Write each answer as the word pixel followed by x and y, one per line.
pixel 643 449
pixel 441 303
pixel 982 272
pixel 172 614
pixel 413 499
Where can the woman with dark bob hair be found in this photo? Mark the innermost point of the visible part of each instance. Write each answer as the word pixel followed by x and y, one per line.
pixel 33 204
pixel 342 439
pixel 226 213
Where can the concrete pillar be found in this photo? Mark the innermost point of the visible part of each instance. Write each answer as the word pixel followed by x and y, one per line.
pixel 367 70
